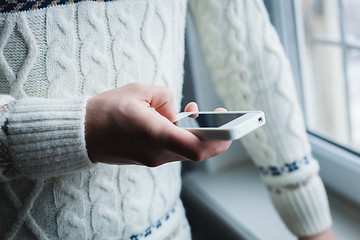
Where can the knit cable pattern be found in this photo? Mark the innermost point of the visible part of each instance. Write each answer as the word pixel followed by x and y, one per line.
pixel 102 187
pixel 93 35
pixel 177 35
pixel 17 79
pixel 23 211
pixel 123 35
pixel 69 201
pixel 75 52
pixel 60 56
pixel 155 11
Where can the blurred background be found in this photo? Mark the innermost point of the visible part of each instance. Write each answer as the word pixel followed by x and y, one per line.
pixel 224 196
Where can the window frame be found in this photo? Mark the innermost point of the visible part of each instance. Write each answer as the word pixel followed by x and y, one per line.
pixel 339 167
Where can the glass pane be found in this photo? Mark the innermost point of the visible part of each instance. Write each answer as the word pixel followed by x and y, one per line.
pixel 354 92
pixel 331 69
pixel 321 19
pixel 351 21
pixel 324 93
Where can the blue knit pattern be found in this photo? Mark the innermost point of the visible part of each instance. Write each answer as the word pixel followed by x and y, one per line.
pixel 276 171
pixel 27 5
pixel 148 231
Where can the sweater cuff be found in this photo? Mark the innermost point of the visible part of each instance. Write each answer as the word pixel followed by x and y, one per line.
pixel 303 206
pixel 46 137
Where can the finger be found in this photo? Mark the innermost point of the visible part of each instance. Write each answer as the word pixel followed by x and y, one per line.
pixel 220 110
pixel 192 107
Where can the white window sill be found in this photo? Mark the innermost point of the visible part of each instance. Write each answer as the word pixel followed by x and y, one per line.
pixel 239 199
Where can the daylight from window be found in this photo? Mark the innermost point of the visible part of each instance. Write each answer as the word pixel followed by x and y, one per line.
pixel 331 64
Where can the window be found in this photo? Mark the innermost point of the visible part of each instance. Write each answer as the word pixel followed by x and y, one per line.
pixel 331 69
pixel 322 40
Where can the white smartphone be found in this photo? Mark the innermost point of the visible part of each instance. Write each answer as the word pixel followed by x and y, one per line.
pixel 230 125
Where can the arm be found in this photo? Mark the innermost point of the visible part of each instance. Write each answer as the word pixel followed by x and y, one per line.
pixel 250 71
pixel 127 125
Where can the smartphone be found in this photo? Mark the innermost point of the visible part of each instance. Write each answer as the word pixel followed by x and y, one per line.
pixel 230 125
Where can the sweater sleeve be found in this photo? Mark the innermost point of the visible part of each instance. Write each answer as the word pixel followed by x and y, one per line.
pixel 42 138
pixel 251 72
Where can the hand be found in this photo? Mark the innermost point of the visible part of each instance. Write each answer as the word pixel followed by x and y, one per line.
pixel 133 125
pixel 326 235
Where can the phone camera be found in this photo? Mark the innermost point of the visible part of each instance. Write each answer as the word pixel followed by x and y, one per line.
pixel 260 120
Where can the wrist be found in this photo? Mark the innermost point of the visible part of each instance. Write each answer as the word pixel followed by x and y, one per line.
pixel 88 122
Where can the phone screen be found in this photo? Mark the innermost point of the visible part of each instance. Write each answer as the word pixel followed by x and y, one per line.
pixel 208 120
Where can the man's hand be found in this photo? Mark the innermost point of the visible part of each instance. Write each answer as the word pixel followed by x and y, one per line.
pixel 133 125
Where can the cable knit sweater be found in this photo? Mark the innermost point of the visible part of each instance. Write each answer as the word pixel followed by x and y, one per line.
pixel 54 55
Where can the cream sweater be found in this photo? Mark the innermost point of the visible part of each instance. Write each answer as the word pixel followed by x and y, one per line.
pixel 53 58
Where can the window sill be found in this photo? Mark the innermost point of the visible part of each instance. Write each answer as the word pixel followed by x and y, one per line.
pixel 239 201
